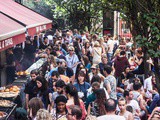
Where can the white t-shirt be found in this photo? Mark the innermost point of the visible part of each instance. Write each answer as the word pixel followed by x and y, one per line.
pixel 134 105
pixel 111 117
pixel 148 86
pixel 110 44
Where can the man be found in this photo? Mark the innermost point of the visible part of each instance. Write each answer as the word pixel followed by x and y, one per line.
pixel 110 44
pixel 120 63
pixel 148 85
pixel 10 66
pixel 60 85
pixel 74 113
pixel 61 71
pixel 110 106
pixel 54 78
pixel 30 87
pixel 133 103
pixel 104 62
pixel 44 44
pixel 123 111
pixel 110 82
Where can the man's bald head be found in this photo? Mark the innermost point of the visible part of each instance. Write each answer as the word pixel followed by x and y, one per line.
pixel 110 105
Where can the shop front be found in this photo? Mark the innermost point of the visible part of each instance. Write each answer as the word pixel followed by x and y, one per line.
pixel 11 34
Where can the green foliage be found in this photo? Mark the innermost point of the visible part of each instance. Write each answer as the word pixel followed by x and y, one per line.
pixel 43 7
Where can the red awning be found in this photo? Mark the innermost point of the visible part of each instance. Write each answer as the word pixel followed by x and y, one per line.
pixel 11 32
pixel 35 23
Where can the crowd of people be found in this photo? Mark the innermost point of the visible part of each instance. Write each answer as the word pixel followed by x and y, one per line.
pixel 88 77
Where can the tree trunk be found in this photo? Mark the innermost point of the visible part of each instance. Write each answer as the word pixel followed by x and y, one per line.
pixel 146 65
pixel 157 69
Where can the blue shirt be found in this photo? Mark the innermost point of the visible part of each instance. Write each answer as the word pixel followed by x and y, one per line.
pixel 83 88
pixel 155 102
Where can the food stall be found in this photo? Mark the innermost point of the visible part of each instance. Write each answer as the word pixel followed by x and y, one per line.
pixel 8 100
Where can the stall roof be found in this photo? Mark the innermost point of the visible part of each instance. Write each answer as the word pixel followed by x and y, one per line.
pixel 35 23
pixel 11 32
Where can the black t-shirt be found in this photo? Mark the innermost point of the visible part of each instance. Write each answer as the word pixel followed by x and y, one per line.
pixel 10 59
pixel 69 72
pixel 30 89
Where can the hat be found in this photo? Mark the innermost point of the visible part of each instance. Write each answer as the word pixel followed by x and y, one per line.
pixel 95 66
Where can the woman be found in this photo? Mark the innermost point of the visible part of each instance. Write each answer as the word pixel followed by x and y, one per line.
pixel 97 107
pixel 73 99
pixel 96 53
pixel 86 62
pixel 138 58
pixel 34 105
pixel 72 59
pixel 95 71
pixel 43 92
pixel 123 77
pixel 82 86
pixel 86 50
pixel 61 111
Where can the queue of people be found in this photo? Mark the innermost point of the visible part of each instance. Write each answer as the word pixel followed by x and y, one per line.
pixel 87 77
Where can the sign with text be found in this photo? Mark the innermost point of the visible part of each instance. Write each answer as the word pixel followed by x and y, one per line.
pixel 10 42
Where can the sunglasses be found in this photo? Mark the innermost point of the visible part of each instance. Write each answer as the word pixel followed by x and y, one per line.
pixel 70 50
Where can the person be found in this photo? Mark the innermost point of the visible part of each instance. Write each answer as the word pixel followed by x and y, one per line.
pixel 43 114
pixel 96 53
pixel 133 103
pixel 20 114
pixel 92 96
pixel 82 86
pixel 61 71
pixel 44 44
pixel 60 90
pixel 75 113
pixel 155 114
pixel 110 107
pixel 10 66
pixel 155 102
pixel 52 80
pixel 60 112
pixel 148 88
pixel 120 63
pixel 95 71
pixel 104 62
pixel 30 87
pixel 97 107
pixel 34 105
pixel 73 99
pixel 72 59
pixel 139 60
pixel 123 111
pixel 43 92
pixel 110 82
pixel 86 63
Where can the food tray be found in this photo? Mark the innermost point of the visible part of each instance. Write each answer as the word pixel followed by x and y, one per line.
pixel 3 115
pixel 6 103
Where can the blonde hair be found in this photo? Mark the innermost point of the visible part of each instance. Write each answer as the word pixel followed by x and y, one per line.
pixel 43 114
pixel 96 44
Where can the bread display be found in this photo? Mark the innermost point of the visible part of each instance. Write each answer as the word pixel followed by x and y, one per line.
pixel 6 103
pixel 10 92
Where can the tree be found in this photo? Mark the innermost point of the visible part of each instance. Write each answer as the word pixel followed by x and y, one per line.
pixel 82 14
pixel 144 19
